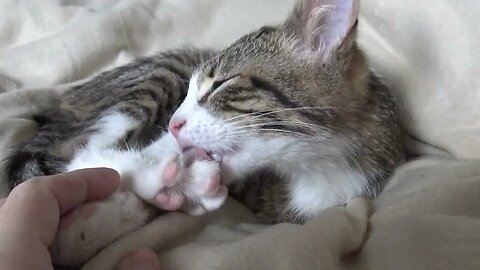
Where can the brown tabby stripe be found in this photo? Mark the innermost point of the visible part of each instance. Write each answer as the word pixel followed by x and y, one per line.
pixel 148 89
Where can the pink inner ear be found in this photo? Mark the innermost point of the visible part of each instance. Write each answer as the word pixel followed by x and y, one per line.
pixel 330 22
pixel 340 22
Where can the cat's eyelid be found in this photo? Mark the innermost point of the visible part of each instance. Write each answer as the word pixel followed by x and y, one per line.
pixel 215 85
pixel 218 83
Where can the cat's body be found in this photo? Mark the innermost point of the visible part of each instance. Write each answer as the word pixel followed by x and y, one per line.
pixel 290 116
pixel 149 90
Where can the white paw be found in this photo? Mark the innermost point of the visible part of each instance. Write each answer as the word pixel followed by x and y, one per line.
pixel 90 228
pixel 169 185
pixel 204 188
pixel 154 176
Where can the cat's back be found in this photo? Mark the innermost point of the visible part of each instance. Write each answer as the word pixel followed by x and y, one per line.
pixel 148 90
pixel 168 72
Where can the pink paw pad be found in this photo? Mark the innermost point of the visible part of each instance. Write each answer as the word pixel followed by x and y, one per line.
pixel 213 185
pixel 170 173
pixel 169 200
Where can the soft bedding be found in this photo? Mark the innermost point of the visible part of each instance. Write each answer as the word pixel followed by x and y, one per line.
pixel 426 218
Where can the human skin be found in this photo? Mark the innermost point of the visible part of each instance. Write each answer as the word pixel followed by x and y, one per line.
pixel 31 214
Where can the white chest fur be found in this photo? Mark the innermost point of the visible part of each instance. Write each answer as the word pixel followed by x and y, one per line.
pixel 315 191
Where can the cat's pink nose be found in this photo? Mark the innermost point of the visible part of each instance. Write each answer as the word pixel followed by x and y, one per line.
pixel 175 126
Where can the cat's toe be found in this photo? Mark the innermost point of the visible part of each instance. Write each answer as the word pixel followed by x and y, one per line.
pixel 205 186
pixel 205 178
pixel 216 200
pixel 169 199
pixel 150 180
pixel 194 209
pixel 212 185
pixel 170 172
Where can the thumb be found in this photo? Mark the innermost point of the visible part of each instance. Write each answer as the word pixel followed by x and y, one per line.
pixel 144 259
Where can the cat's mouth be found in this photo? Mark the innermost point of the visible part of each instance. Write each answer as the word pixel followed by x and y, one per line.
pixel 192 152
pixel 215 156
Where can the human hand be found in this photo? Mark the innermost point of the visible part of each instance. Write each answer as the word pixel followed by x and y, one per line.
pixel 30 215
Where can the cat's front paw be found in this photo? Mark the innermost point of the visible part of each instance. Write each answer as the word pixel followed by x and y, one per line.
pixel 173 184
pixel 202 184
pixel 158 184
pixel 198 188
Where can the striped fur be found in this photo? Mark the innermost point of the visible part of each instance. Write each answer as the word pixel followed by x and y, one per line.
pixel 319 101
pixel 300 120
pixel 149 90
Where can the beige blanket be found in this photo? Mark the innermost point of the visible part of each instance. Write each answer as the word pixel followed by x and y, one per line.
pixel 428 217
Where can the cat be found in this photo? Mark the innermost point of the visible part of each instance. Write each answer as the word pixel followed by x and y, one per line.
pixel 290 118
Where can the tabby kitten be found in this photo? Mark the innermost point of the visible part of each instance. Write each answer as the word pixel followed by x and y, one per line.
pixel 290 117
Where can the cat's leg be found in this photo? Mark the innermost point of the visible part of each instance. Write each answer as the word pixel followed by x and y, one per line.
pixel 147 173
pixel 94 226
pixel 159 175
pixel 101 223
pixel 156 173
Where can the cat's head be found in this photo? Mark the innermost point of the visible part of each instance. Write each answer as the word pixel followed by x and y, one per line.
pixel 277 90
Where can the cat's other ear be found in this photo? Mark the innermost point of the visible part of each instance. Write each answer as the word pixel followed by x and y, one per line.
pixel 326 26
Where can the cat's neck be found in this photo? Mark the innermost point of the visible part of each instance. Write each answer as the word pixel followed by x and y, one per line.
pixel 285 155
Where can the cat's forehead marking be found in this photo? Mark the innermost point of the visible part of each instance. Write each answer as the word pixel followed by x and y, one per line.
pixel 200 87
pixel 204 87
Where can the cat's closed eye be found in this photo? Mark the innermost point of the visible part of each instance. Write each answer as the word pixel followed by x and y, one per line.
pixel 211 73
pixel 218 83
pixel 215 85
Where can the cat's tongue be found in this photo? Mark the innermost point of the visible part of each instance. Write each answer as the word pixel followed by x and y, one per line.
pixel 200 154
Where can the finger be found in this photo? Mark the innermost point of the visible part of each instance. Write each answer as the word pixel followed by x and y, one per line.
pixel 144 259
pixel 2 201
pixel 34 207
pixel 74 188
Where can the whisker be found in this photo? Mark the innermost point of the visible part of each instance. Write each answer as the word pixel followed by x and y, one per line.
pixel 292 123
pixel 289 121
pixel 260 113
pixel 269 130
pixel 312 126
pixel 261 124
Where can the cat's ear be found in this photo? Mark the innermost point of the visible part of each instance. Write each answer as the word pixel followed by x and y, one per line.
pixel 324 25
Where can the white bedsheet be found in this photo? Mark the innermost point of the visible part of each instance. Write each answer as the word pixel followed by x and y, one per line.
pixel 427 217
